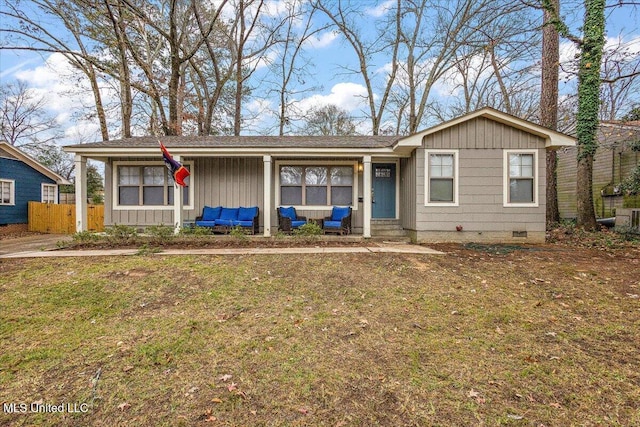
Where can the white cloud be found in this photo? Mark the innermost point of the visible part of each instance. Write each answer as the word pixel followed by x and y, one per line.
pixel 381 9
pixel 323 40
pixel 67 95
pixel 347 96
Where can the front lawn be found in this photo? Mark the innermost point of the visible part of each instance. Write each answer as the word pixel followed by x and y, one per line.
pixel 533 336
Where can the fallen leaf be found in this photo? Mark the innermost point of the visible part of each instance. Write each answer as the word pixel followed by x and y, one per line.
pixel 127 368
pixel 225 377
pixel 216 400
pixel 232 387
pixel 473 393
pixel 124 406
pixel 515 417
pixel 304 411
pixel 556 405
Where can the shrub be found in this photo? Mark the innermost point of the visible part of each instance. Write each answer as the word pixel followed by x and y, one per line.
pixel 161 232
pixel 196 231
pixel 121 233
pixel 238 233
pixel 628 233
pixel 85 237
pixel 308 229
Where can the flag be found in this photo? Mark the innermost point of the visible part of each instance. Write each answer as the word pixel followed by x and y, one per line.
pixel 178 171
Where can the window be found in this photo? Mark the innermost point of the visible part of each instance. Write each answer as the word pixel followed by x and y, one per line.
pixel 7 192
pixel 148 185
pixel 49 193
pixel 521 187
pixel 317 185
pixel 441 178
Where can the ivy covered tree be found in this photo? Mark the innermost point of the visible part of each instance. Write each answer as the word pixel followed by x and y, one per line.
pixel 588 108
pixel 591 47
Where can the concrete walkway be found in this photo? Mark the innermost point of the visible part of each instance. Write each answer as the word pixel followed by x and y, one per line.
pixel 31 243
pixel 380 248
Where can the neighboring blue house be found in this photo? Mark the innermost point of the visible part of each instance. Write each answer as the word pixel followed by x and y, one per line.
pixel 23 179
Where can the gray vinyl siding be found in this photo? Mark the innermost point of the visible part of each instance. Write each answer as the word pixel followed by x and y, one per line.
pixel 481 189
pixel 230 182
pixel 480 144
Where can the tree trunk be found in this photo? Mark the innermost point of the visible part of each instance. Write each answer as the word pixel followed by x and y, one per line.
pixel 588 108
pixel 549 103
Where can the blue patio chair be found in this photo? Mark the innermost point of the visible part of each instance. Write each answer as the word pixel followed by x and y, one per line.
pixel 288 219
pixel 339 222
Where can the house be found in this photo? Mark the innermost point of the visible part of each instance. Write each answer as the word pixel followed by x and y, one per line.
pixel 23 179
pixel 482 174
pixel 615 159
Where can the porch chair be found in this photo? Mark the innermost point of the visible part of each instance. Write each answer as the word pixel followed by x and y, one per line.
pixel 288 219
pixel 339 222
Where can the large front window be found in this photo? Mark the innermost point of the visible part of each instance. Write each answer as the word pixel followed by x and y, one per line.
pixel 323 185
pixel 147 185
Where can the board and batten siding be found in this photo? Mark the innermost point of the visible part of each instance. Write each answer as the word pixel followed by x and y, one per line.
pixel 408 192
pixel 229 181
pixel 480 143
pixel 357 218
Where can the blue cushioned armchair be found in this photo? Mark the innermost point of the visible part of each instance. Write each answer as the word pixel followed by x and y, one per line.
pixel 289 220
pixel 339 222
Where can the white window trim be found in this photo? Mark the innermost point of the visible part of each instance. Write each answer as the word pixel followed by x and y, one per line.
pixel 55 192
pixel 456 177
pixel 352 163
pixel 505 187
pixel 114 182
pixel 12 192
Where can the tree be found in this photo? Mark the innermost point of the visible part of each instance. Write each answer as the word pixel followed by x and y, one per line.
pixel 34 31
pixel 24 121
pixel 620 79
pixel 95 187
pixel 251 37
pixel 53 157
pixel 291 66
pixel 329 121
pixel 588 108
pixel 591 47
pixel 632 115
pixel 350 21
pixel 549 102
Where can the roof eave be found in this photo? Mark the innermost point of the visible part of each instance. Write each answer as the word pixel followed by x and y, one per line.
pixel 33 163
pixel 104 152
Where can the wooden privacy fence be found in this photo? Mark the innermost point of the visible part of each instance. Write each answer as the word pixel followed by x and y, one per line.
pixel 54 218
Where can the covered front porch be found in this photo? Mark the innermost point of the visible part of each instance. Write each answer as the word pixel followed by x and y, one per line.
pixel 310 177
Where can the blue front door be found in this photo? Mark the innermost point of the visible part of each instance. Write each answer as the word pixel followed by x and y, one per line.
pixel 384 190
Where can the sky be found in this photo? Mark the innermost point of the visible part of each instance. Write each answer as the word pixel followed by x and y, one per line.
pixel 45 74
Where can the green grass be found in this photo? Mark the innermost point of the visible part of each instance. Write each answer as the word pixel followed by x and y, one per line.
pixel 470 338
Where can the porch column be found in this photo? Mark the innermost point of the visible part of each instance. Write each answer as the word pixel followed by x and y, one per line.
pixel 267 195
pixel 178 203
pixel 81 193
pixel 366 199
